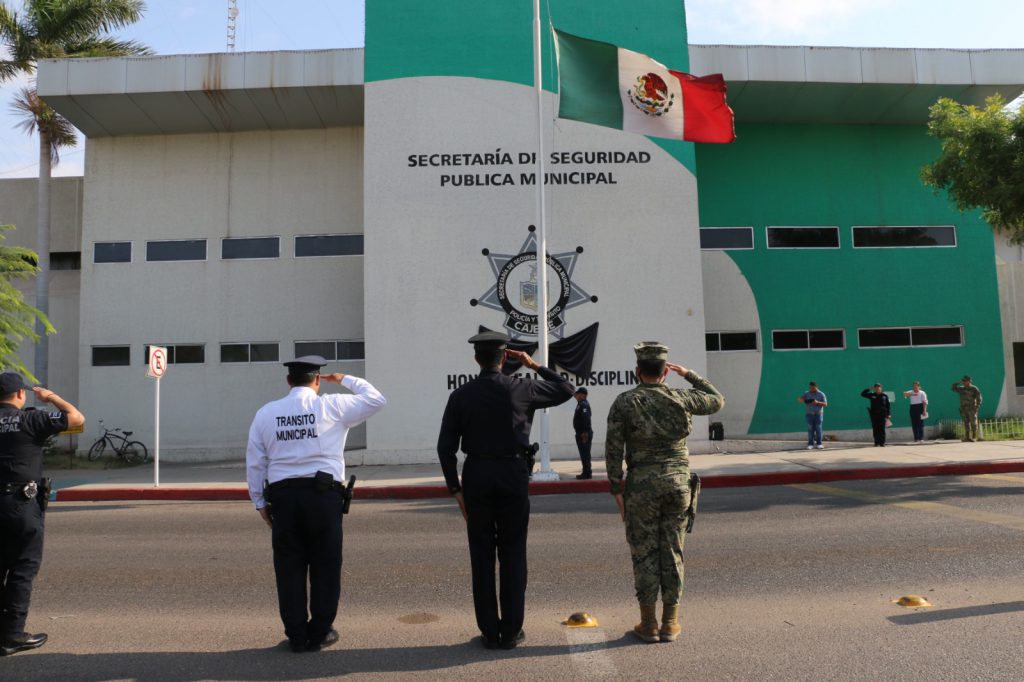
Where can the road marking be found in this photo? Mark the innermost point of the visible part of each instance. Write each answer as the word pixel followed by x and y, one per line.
pixel 589 652
pixel 1003 520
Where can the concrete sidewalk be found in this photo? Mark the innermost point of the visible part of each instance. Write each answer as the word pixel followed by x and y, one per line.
pixel 788 463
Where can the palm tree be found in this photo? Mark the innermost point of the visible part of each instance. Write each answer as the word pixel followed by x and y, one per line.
pixel 48 29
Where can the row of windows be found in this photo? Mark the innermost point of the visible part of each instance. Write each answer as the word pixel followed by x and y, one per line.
pixel 195 353
pixel 835 339
pixel 240 248
pixel 827 237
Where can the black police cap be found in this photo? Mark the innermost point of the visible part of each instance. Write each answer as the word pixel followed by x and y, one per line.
pixel 489 339
pixel 11 382
pixel 307 364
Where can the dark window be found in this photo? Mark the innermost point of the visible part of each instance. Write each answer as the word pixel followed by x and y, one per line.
pixel 179 249
pixel 882 237
pixel 726 237
pixel 263 352
pixel 1018 363
pixel 351 350
pixel 936 336
pixel 325 349
pixel 711 343
pixel 789 340
pixel 250 247
pixel 65 260
pixel 878 338
pixel 803 237
pixel 111 356
pixel 112 252
pixel 329 245
pixel 234 352
pixel 827 338
pixel 738 340
pixel 181 354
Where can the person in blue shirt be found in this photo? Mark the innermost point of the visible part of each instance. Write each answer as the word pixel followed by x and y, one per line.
pixel 815 402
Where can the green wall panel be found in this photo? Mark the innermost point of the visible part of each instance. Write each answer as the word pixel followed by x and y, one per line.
pixel 853 175
pixel 493 39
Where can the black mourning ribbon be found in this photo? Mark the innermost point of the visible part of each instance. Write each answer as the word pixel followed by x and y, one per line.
pixel 573 353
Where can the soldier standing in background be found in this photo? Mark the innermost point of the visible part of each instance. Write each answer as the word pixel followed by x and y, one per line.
pixel 648 425
pixel 970 403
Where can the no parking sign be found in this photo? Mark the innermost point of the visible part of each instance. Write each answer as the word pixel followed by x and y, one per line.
pixel 157 362
pixel 157 368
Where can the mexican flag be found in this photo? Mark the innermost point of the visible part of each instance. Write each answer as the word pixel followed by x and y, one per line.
pixel 606 85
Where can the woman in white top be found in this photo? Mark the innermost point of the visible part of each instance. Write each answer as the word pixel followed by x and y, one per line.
pixel 918 410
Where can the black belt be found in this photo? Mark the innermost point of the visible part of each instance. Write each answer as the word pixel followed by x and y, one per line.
pixel 12 488
pixel 489 458
pixel 301 483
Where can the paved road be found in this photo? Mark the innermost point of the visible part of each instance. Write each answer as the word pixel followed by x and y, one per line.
pixel 784 583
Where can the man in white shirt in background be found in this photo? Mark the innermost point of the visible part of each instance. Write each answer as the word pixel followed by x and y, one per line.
pixel 297 448
pixel 918 410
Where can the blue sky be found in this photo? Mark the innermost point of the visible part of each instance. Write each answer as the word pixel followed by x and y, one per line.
pixel 189 26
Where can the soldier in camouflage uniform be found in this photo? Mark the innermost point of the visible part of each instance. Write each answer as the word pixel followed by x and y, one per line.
pixel 970 403
pixel 649 425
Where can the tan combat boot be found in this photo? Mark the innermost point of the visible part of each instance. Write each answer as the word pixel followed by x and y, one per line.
pixel 670 628
pixel 647 628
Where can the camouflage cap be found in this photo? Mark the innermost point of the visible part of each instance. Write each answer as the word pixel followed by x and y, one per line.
pixel 651 350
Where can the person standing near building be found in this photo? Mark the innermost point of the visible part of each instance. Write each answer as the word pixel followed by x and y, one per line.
pixel 815 403
pixel 490 419
pixel 581 424
pixel 22 436
pixel 297 451
pixel 647 428
pixel 970 403
pixel 880 412
pixel 918 409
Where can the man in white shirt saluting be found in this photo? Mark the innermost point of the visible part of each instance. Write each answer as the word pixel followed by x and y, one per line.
pixel 297 450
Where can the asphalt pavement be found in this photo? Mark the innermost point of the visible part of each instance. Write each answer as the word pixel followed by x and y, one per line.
pixel 785 583
pixel 741 463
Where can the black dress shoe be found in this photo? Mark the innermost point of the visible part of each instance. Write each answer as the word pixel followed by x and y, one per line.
pixel 22 643
pixel 514 642
pixel 297 645
pixel 584 477
pixel 488 642
pixel 330 639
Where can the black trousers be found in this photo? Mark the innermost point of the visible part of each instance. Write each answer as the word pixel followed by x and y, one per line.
pixel 497 499
pixel 878 427
pixel 307 539
pixel 584 449
pixel 21 554
pixel 916 423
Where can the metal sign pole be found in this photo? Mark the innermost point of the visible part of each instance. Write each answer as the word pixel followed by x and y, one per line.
pixel 156 431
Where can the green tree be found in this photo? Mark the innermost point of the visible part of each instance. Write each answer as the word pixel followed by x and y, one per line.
pixel 17 318
pixel 982 161
pixel 51 29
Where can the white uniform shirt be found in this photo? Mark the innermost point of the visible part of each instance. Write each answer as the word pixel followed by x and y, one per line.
pixel 303 433
pixel 917 398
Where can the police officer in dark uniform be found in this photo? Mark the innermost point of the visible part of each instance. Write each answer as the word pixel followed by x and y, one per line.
pixel 880 412
pixel 22 435
pixel 584 431
pixel 491 418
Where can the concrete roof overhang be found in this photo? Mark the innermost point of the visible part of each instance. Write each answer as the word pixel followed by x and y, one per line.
pixel 855 85
pixel 208 93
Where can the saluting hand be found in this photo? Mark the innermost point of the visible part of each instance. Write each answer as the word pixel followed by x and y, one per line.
pixel 334 378
pixel 43 394
pixel 678 369
pixel 523 358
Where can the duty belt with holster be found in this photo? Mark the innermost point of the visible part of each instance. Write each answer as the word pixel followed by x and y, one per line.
pixel 320 483
pixel 39 490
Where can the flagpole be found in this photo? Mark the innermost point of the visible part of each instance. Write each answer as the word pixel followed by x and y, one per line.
pixel 545 472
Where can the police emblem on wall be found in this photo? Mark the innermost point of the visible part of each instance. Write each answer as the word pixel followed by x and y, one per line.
pixel 515 290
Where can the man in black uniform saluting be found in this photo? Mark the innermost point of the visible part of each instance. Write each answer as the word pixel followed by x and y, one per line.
pixel 22 435
pixel 491 417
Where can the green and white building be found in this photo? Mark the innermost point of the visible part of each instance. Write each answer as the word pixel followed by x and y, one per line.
pixel 369 205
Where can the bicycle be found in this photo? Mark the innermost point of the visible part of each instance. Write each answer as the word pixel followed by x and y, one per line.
pixel 129 450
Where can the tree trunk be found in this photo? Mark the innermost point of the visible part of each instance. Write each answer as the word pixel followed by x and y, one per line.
pixel 42 357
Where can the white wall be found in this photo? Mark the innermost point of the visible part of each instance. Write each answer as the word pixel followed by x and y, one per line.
pixel 423 249
pixel 213 186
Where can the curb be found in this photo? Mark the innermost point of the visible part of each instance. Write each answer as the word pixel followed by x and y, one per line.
pixel 421 492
